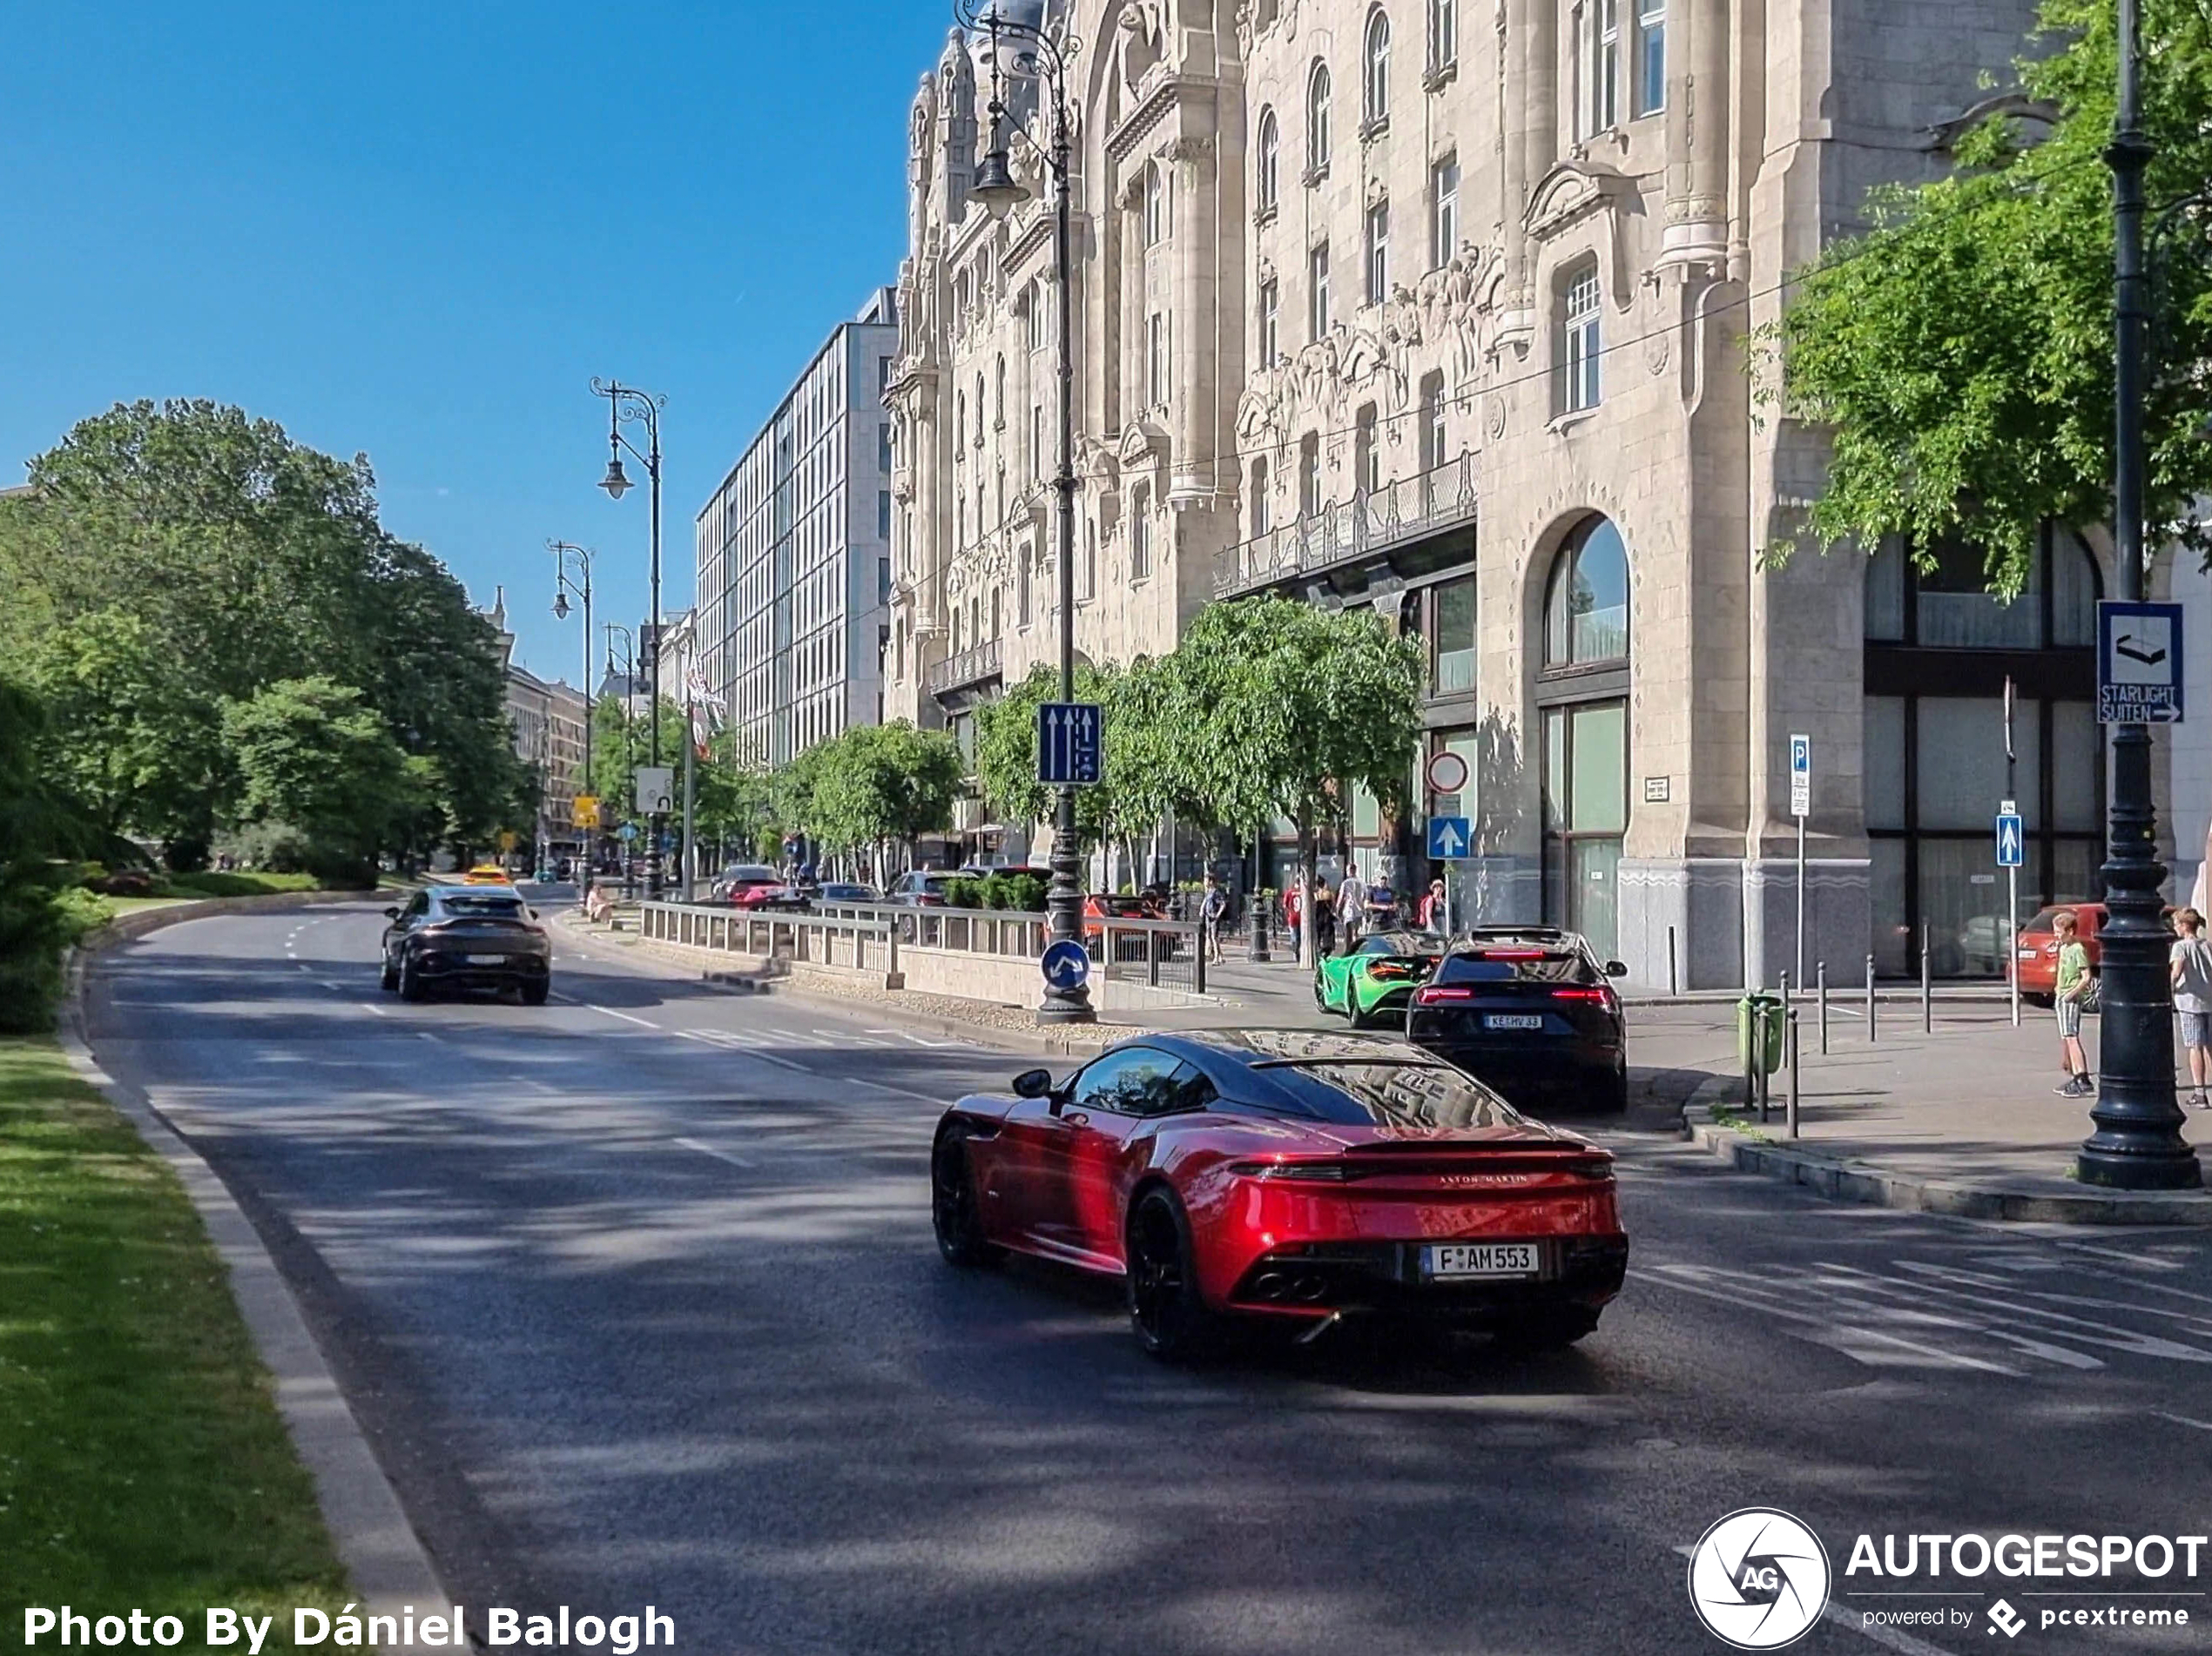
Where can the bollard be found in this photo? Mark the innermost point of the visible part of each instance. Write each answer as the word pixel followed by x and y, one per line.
pixel 1927 1011
pixel 1260 929
pixel 1674 980
pixel 1198 966
pixel 1870 998
pixel 1792 1107
pixel 1786 986
pixel 1820 978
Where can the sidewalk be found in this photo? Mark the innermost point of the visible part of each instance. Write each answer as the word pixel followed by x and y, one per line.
pixel 1960 1121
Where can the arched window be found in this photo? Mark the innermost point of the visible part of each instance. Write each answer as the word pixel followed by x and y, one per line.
pixel 998 406
pixel 979 432
pixel 1155 205
pixel 1266 181
pixel 1586 612
pixel 1316 120
pixel 1259 497
pixel 959 421
pixel 1375 60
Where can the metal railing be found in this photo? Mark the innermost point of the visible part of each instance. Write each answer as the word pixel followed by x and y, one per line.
pixel 1163 954
pixel 814 939
pixel 978 662
pixel 1369 522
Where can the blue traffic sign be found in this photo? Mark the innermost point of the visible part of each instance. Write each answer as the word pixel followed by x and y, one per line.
pixel 628 831
pixel 1066 965
pixel 1448 840
pixel 2012 841
pixel 2139 662
pixel 1069 741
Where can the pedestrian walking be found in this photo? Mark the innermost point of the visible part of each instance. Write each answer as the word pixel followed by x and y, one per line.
pixel 1213 908
pixel 1293 898
pixel 2072 985
pixel 2191 965
pixel 1352 906
pixel 1435 908
pixel 1325 917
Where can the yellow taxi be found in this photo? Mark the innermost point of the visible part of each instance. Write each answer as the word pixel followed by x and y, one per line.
pixel 486 874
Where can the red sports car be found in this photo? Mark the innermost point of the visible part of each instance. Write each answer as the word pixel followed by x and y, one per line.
pixel 1288 1175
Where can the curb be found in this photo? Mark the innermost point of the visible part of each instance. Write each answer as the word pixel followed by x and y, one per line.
pixel 1841 1180
pixel 386 1563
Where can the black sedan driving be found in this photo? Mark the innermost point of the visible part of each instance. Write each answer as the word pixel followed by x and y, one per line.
pixel 467 937
pixel 1530 1011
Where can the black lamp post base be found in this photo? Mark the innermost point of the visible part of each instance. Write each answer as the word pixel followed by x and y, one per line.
pixel 2175 1169
pixel 1067 1009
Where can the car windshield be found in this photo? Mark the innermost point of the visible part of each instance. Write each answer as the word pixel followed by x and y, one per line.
pixel 753 874
pixel 477 905
pixel 1392 1094
pixel 1508 963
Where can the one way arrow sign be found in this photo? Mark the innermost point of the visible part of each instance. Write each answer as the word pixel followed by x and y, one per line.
pixel 1447 839
pixel 2011 840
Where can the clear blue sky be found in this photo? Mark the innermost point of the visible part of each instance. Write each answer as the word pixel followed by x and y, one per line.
pixel 417 230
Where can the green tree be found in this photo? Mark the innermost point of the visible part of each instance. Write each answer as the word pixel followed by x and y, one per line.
pixel 873 786
pixel 1960 352
pixel 37 831
pixel 1271 708
pixel 129 735
pixel 1006 751
pixel 313 755
pixel 732 805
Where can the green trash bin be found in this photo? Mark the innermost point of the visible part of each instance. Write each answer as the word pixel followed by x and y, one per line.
pixel 1760 1021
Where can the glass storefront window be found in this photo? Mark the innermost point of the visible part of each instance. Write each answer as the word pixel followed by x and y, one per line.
pixel 2077 761
pixel 1884 762
pixel 1600 739
pixel 1956 612
pixel 1885 594
pixel 1367 815
pixel 1586 811
pixel 1586 613
pixel 1961 768
pixel 1455 611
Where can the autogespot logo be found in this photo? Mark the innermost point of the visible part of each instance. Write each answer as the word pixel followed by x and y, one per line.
pixel 1758 1579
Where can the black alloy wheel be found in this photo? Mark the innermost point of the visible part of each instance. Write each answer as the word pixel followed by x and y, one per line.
pixel 411 985
pixel 954 1214
pixel 387 977
pixel 1165 1312
pixel 535 990
pixel 1320 995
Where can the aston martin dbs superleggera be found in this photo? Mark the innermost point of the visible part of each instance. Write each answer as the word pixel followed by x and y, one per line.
pixel 1286 1175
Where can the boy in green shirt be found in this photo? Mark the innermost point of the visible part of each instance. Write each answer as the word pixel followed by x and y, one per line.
pixel 2073 983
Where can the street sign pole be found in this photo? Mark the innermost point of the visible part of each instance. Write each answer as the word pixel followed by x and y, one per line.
pixel 1800 807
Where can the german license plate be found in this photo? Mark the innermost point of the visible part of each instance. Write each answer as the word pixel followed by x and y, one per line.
pixel 485 959
pixel 1444 1261
pixel 1512 1020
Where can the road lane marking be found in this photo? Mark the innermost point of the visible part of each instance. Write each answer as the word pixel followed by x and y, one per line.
pixel 1823 1330
pixel 2184 1420
pixel 589 1006
pixel 1890 1638
pixel 368 1005
pixel 720 1156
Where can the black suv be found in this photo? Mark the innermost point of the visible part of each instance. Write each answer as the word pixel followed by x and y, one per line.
pixel 1529 1010
pixel 467 937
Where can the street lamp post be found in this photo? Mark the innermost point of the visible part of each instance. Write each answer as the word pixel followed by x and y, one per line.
pixel 627 404
pixel 1036 54
pixel 2138 1143
pixel 628 689
pixel 562 551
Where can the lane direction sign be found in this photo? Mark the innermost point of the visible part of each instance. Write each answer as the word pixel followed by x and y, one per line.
pixel 1066 965
pixel 2012 840
pixel 1448 840
pixel 1070 742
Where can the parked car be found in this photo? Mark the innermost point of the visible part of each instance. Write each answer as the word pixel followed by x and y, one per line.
pixel 486 874
pixel 467 937
pixel 1528 1010
pixel 839 892
pixel 2039 946
pixel 743 885
pixel 922 888
pixel 1286 1178
pixel 1131 945
pixel 1375 983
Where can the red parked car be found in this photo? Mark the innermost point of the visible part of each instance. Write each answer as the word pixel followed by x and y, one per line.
pixel 2038 946
pixel 748 885
pixel 1290 1177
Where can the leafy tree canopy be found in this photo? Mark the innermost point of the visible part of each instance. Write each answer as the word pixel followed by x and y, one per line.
pixel 1960 351
pixel 312 754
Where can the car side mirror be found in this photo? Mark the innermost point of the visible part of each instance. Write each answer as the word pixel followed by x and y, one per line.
pixel 391 914
pixel 1615 969
pixel 533 914
pixel 1033 1083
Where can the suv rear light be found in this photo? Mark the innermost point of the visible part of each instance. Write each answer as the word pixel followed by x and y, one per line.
pixel 1437 994
pixel 1600 995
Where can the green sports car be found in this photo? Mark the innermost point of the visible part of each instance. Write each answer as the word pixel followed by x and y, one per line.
pixel 1376 981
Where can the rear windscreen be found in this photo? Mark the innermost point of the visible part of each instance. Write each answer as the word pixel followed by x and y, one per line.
pixel 483 904
pixel 1422 1095
pixel 1517 965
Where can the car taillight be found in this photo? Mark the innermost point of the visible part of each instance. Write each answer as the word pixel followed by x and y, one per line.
pixel 1306 1172
pixel 1599 994
pixel 1509 954
pixel 1436 995
pixel 1390 971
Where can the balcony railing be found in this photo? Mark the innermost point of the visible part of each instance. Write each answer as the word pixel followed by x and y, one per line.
pixel 970 667
pixel 1408 510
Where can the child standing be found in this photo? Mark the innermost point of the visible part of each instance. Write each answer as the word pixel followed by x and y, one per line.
pixel 2191 965
pixel 2073 983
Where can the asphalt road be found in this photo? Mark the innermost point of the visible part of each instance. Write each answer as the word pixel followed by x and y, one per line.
pixel 636 1296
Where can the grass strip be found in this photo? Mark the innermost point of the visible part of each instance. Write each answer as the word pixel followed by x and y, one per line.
pixel 143 1463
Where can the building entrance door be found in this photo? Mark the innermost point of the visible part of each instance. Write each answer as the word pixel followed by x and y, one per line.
pixel 1586 814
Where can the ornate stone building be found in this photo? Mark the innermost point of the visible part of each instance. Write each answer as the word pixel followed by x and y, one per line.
pixel 1443 311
